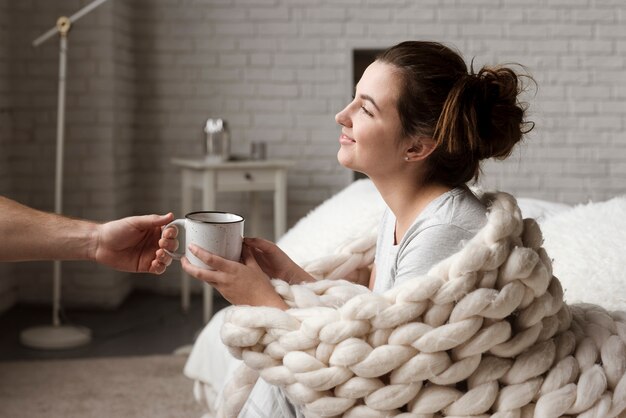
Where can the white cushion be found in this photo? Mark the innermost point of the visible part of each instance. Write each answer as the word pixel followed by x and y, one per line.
pixel 343 218
pixel 588 247
pixel 540 210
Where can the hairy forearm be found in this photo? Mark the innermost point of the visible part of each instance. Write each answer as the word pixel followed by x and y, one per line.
pixel 29 234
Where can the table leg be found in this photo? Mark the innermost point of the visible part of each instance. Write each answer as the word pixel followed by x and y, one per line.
pixel 208 203
pixel 255 215
pixel 187 202
pixel 280 204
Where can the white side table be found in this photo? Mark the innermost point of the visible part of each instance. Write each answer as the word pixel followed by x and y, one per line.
pixel 232 176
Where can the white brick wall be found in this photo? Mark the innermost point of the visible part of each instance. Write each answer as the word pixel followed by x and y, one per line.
pixel 8 293
pixel 279 70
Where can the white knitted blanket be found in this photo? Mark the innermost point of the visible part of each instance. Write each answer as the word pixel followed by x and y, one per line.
pixel 484 334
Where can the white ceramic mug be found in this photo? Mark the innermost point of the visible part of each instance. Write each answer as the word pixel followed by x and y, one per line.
pixel 220 233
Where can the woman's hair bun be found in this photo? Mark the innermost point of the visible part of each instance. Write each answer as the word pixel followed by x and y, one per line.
pixel 483 115
pixel 503 121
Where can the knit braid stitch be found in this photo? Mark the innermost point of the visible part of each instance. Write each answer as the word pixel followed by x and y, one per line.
pixel 484 334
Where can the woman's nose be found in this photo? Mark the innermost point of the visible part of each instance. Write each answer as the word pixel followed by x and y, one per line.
pixel 342 117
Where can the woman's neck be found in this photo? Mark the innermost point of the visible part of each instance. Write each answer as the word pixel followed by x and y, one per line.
pixel 407 199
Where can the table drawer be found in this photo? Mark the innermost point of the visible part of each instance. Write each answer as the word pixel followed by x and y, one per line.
pixel 246 179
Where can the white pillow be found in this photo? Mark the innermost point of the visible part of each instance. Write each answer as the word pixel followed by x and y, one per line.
pixel 588 248
pixel 540 210
pixel 348 215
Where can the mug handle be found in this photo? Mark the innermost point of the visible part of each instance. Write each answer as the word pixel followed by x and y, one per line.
pixel 174 224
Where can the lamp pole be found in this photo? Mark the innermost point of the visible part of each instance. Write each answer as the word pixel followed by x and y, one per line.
pixel 58 336
pixel 63 26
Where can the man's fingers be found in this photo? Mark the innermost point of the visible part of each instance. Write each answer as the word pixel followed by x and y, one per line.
pixel 148 221
pixel 168 244
pixel 170 232
pixel 157 267
pixel 163 257
pixel 160 220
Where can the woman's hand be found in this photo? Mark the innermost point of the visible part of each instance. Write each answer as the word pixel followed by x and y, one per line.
pixel 275 263
pixel 242 283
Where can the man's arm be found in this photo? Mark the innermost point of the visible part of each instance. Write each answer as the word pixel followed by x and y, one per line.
pixel 128 244
pixel 29 234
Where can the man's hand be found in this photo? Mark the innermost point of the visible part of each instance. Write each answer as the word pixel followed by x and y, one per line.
pixel 131 244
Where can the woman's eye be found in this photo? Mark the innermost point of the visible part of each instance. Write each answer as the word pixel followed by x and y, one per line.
pixel 367 112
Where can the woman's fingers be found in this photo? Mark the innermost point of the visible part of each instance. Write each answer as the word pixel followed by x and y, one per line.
pixel 248 258
pixel 260 244
pixel 212 260
pixel 257 253
pixel 212 277
pixel 246 255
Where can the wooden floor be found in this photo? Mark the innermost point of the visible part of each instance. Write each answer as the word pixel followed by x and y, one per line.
pixel 145 324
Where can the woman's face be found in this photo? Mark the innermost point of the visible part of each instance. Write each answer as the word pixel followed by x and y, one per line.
pixel 371 129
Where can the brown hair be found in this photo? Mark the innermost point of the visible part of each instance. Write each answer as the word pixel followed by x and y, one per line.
pixel 470 116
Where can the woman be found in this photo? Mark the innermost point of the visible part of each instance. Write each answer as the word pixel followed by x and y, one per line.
pixel 418 127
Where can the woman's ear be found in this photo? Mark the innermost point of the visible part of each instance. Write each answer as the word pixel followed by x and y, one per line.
pixel 420 149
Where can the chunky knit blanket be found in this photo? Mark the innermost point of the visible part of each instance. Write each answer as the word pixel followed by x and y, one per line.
pixel 484 334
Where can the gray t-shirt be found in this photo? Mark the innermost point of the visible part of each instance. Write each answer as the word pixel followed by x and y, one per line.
pixel 438 232
pixel 435 234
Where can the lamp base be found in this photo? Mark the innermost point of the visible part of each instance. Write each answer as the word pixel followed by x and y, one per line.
pixel 50 337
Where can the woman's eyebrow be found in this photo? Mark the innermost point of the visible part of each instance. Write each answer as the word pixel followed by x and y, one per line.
pixel 369 99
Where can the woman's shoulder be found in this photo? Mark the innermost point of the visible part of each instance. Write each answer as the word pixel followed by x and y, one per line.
pixel 458 208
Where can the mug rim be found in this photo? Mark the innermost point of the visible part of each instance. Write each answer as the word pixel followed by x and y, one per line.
pixel 241 218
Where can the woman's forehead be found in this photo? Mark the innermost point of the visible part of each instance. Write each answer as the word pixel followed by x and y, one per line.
pixel 381 82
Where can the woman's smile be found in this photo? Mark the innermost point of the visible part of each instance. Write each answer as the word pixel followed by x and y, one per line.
pixel 346 140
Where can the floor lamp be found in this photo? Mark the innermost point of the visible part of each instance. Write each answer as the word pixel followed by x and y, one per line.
pixel 57 336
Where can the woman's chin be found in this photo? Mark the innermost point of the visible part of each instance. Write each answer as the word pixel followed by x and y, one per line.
pixel 345 159
pixel 346 163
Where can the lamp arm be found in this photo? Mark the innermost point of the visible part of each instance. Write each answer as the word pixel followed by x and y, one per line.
pixel 73 18
pixel 82 12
